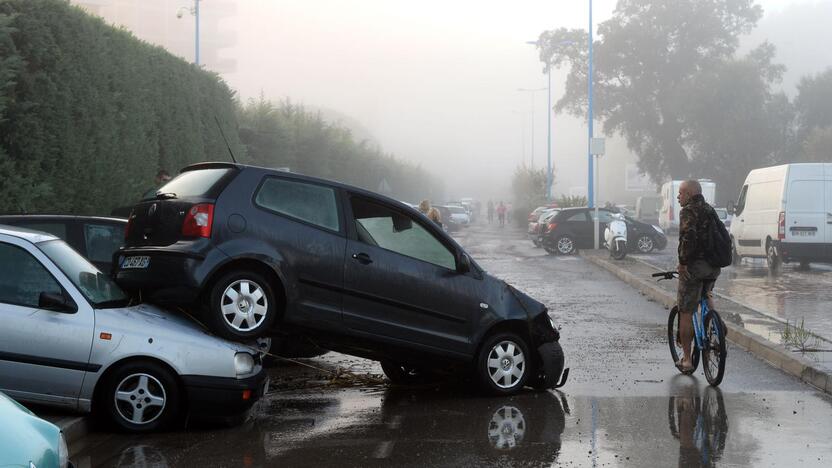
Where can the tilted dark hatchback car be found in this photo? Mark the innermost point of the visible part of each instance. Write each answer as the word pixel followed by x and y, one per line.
pixel 262 252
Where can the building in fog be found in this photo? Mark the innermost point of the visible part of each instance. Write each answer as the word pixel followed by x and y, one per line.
pixel 170 24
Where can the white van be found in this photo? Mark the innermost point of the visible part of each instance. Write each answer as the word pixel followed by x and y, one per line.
pixel 669 212
pixel 784 213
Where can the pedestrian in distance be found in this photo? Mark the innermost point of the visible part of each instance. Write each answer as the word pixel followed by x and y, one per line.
pixel 490 211
pixel 501 214
pixel 696 275
pixel 432 213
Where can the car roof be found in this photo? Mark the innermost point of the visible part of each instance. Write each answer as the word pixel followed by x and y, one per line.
pixel 26 234
pixel 62 217
pixel 296 176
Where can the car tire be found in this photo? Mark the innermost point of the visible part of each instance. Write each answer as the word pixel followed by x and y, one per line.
pixel 565 245
pixel 775 263
pixel 141 396
pixel 501 358
pixel 645 244
pixel 237 299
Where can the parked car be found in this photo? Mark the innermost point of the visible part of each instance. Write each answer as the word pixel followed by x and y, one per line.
pixel 266 252
pixel 573 228
pixel 70 338
pixel 784 214
pixel 28 441
pixel 448 222
pixel 459 215
pixel 537 229
pixel 96 238
pixel 670 208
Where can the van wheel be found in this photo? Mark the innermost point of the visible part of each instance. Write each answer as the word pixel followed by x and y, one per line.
pixel 241 306
pixel 141 397
pixel 736 259
pixel 775 263
pixel 804 265
pixel 504 364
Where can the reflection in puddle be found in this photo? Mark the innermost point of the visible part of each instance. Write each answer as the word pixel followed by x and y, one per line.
pixel 507 428
pixel 700 423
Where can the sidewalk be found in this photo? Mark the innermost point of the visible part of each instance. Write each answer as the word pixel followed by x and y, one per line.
pixel 747 328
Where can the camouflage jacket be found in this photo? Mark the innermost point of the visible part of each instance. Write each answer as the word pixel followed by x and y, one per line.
pixel 694 229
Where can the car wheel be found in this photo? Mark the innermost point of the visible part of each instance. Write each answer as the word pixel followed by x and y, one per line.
pixel 645 244
pixel 141 397
pixel 241 306
pixel 775 263
pixel 565 245
pixel 503 364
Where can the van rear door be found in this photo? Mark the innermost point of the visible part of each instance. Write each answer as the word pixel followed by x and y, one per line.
pixel 806 213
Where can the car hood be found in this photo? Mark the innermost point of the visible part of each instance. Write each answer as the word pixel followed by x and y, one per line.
pixel 149 319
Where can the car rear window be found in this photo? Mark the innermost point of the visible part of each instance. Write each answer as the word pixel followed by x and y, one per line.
pixel 200 183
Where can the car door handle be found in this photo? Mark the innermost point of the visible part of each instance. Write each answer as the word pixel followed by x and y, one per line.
pixel 363 258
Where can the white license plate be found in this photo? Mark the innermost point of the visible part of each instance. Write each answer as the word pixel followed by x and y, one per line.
pixel 135 262
pixel 804 233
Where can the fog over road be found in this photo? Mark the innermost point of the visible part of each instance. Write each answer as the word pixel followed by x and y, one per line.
pixel 625 404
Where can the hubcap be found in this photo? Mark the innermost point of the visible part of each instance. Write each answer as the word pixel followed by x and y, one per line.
pixel 565 245
pixel 507 428
pixel 244 305
pixel 506 364
pixel 140 398
pixel 645 244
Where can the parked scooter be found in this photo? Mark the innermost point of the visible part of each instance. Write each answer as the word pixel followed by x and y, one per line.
pixel 615 237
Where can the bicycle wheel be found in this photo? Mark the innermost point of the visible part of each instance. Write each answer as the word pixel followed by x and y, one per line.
pixel 673 341
pixel 715 351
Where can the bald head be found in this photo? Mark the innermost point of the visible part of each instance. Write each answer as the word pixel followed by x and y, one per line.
pixel 688 189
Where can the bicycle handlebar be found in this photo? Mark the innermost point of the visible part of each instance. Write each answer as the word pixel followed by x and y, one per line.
pixel 665 275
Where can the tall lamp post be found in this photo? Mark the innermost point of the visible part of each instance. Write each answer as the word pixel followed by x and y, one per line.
pixel 194 10
pixel 590 184
pixel 533 91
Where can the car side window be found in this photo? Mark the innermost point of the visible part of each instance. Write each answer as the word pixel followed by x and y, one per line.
pixel 56 229
pixel 102 240
pixel 23 277
pixel 312 203
pixel 395 231
pixel 603 216
pixel 578 217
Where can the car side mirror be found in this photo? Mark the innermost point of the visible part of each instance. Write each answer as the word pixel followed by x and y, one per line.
pixel 55 302
pixel 464 264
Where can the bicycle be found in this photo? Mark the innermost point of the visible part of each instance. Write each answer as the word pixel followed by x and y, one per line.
pixel 708 334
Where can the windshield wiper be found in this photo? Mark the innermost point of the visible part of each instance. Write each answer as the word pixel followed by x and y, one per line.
pixel 165 195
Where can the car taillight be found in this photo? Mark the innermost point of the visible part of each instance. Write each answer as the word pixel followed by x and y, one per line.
pixel 129 225
pixel 551 227
pixel 198 221
pixel 781 226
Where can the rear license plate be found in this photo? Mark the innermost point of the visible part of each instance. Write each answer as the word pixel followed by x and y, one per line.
pixel 135 262
pixel 804 233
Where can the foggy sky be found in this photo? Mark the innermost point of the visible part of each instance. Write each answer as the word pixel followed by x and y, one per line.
pixel 434 81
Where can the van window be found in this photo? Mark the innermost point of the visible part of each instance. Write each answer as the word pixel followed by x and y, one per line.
pixel 741 201
pixel 804 195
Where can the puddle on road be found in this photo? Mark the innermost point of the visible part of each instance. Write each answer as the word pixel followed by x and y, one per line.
pixel 694 425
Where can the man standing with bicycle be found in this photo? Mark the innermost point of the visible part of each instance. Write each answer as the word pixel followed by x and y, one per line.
pixel 696 275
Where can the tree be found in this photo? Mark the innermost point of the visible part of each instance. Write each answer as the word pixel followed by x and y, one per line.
pixel 529 188
pixel 814 104
pixel 818 145
pixel 649 56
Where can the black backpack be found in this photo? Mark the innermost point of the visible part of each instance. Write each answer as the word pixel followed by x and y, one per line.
pixel 718 253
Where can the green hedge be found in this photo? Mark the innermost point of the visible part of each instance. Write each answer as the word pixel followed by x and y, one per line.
pixel 89 113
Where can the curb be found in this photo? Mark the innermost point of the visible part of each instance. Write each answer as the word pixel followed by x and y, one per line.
pixel 774 354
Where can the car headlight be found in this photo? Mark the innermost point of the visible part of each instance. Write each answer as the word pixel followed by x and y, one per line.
pixel 243 363
pixel 552 322
pixel 63 452
pixel 658 229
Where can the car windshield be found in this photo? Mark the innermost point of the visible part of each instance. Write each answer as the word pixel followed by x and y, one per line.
pixel 96 287
pixel 456 209
pixel 196 183
pixel 722 213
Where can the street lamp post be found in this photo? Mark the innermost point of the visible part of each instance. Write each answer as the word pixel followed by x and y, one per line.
pixel 533 91
pixel 590 184
pixel 194 10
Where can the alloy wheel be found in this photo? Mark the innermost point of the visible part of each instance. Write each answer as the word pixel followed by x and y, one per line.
pixel 645 244
pixel 565 245
pixel 506 364
pixel 140 398
pixel 506 428
pixel 244 305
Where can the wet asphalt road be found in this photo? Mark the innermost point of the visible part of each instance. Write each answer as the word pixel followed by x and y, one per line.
pixel 793 295
pixel 625 404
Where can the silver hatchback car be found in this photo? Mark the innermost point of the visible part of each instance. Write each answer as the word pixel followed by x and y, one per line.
pixel 69 338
